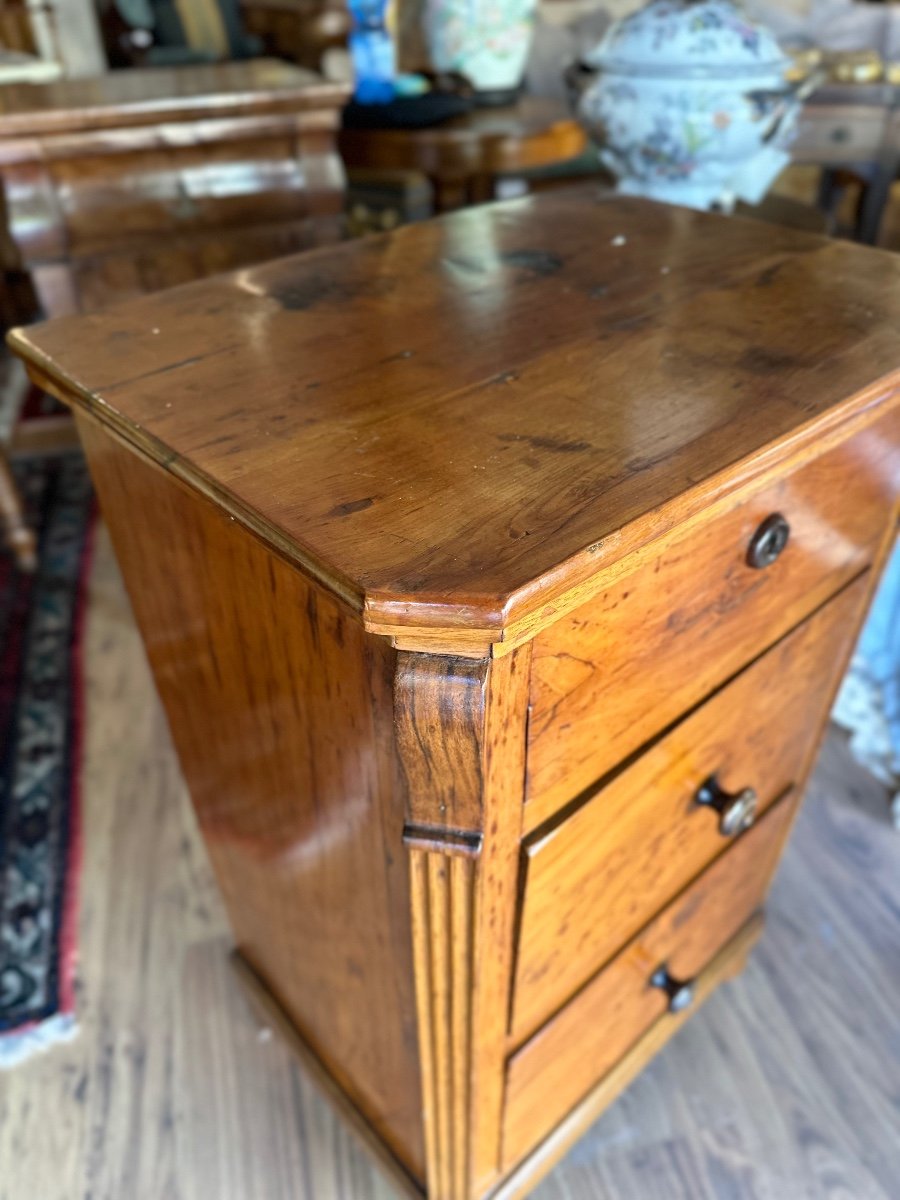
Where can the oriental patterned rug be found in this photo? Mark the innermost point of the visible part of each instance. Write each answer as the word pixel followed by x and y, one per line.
pixel 41 708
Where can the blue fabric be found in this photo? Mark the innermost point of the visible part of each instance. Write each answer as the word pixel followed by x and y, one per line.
pixel 879 646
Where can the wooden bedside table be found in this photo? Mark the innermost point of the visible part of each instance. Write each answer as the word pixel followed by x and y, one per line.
pixel 497 576
pixel 463 158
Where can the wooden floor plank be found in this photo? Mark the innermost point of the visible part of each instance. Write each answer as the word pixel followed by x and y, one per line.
pixel 785 1087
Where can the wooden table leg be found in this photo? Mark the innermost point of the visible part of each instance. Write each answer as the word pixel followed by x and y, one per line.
pixel 19 538
pixel 874 201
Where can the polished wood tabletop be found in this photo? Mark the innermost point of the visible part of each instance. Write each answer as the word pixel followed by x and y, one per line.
pixel 450 424
pixel 464 157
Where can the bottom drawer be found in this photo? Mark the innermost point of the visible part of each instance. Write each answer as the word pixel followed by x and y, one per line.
pixel 555 1068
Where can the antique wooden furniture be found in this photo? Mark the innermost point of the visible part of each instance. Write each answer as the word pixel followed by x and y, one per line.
pixel 138 180
pixel 463 158
pixel 853 129
pixel 496 576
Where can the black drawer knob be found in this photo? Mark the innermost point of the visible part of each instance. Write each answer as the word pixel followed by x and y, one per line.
pixel 768 541
pixel 679 991
pixel 737 810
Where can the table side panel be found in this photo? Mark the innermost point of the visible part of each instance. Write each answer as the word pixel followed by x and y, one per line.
pixel 281 711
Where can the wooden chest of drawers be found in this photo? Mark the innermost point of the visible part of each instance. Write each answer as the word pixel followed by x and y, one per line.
pixel 496 576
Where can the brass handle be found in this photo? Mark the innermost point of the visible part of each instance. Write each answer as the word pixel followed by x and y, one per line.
pixel 737 810
pixel 768 542
pixel 679 991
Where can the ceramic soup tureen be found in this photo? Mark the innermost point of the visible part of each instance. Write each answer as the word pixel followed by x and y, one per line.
pixel 690 102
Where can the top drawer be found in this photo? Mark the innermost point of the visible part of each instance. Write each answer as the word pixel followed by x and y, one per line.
pixel 839 134
pixel 616 671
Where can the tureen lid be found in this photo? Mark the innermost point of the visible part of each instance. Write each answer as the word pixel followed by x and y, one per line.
pixel 689 37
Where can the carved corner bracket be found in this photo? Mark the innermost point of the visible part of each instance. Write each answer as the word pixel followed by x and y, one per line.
pixel 439 719
pixel 460 735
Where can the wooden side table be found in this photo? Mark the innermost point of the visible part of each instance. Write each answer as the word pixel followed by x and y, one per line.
pixel 853 128
pixel 463 158
pixel 496 577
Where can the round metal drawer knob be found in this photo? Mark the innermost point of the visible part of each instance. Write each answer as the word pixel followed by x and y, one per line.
pixel 737 810
pixel 679 991
pixel 768 542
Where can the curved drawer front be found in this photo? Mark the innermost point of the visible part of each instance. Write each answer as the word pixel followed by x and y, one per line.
pixel 615 672
pixel 560 1064
pixel 597 877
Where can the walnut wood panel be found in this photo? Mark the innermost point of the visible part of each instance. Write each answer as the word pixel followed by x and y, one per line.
pixel 461 743
pixel 592 881
pixel 239 165
pixel 618 670
pixel 280 707
pixel 459 493
pixel 560 1064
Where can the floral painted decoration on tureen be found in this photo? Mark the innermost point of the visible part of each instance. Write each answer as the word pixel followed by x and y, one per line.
pixel 711 34
pixel 690 103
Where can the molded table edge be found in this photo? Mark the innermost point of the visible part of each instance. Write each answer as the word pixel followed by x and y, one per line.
pixel 479 626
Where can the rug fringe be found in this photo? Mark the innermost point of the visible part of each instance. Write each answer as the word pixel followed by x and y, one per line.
pixel 35 1039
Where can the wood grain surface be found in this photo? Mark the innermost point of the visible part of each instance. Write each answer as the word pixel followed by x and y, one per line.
pixel 615 671
pixel 556 1067
pixel 439 718
pixel 284 728
pixel 148 95
pixel 729 961
pixel 592 881
pixel 625 366
pixel 461 747
pixel 170 1091
pixel 140 180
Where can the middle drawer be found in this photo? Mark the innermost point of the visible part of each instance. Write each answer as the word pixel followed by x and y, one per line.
pixel 596 878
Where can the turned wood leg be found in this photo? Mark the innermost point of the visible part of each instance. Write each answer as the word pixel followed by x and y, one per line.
pixel 831 192
pixel 19 538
